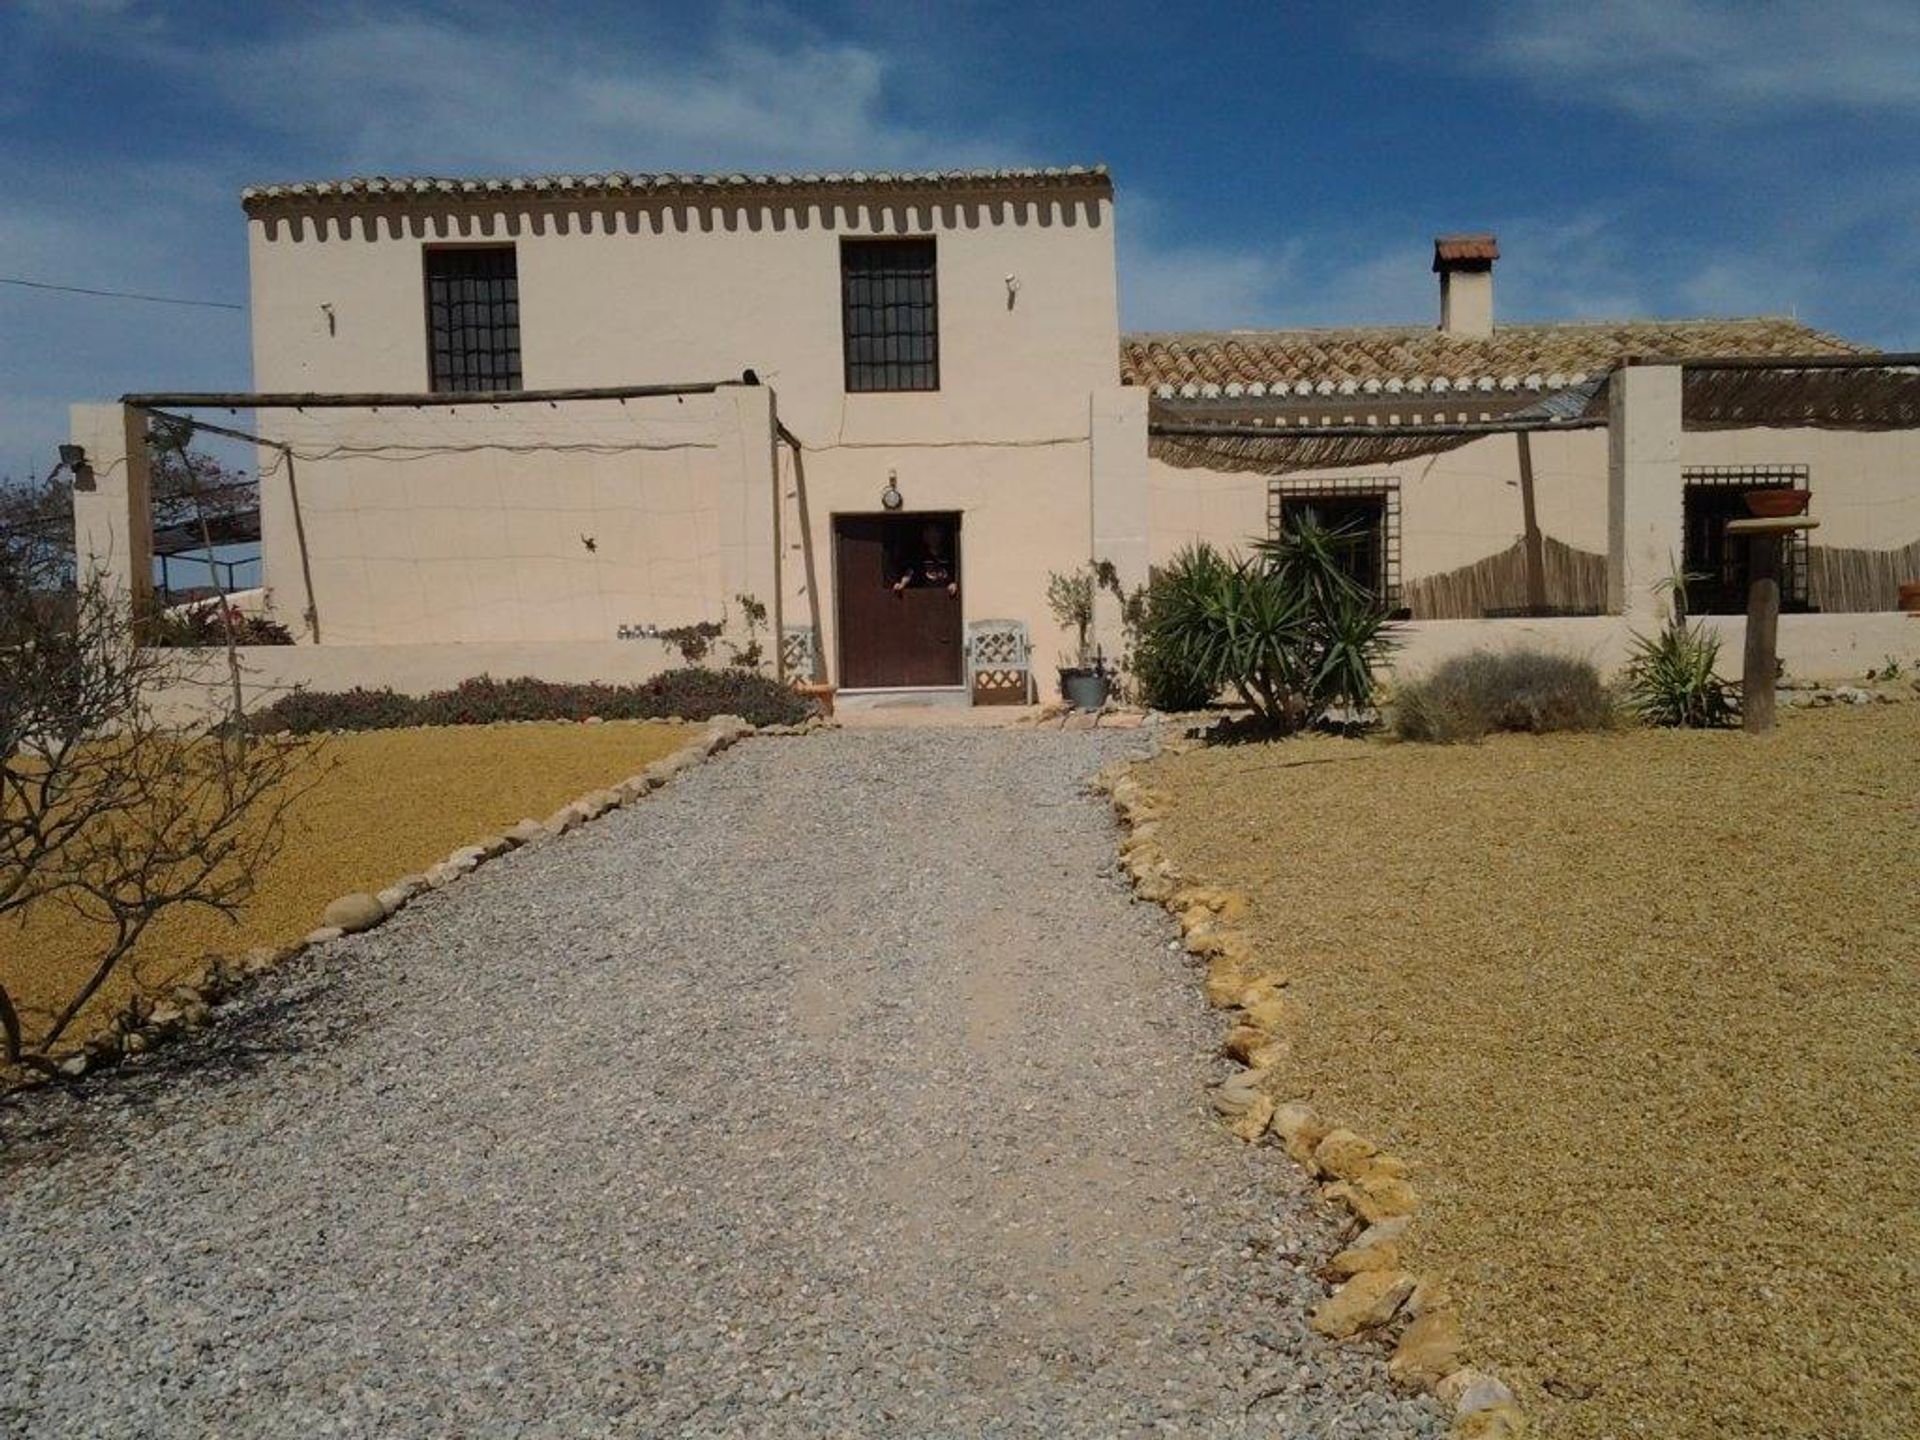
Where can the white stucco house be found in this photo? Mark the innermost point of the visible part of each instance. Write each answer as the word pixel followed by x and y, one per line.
pixel 520 425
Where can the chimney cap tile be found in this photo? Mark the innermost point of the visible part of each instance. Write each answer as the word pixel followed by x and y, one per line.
pixel 1464 252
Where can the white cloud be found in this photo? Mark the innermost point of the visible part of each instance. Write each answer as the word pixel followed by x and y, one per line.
pixel 1385 281
pixel 413 92
pixel 1715 60
pixel 1173 285
pixel 1582 267
pixel 1587 266
pixel 1174 281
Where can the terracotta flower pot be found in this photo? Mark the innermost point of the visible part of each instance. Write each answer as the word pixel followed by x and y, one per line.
pixel 1777 504
pixel 1910 597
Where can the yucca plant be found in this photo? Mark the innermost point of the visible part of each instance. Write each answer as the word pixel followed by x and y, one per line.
pixel 1159 676
pixel 1672 677
pixel 1287 629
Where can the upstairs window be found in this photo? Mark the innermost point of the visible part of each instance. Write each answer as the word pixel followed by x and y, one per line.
pixel 473 319
pixel 890 309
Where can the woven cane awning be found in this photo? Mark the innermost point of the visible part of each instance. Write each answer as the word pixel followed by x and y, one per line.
pixel 1284 454
pixel 1818 392
pixel 1280 442
pixel 1872 397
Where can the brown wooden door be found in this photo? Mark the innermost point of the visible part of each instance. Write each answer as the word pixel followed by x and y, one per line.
pixel 897 637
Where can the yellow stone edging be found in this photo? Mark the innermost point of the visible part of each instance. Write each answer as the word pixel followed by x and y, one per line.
pixel 1371 1292
pixel 145 1024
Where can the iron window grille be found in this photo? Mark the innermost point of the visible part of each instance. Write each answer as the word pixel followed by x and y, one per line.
pixel 1367 508
pixel 473 318
pixel 890 315
pixel 1716 570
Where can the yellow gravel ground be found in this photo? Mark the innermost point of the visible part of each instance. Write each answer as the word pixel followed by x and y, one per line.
pixel 1642 1010
pixel 386 803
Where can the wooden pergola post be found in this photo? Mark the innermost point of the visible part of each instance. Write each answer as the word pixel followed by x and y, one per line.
pixel 1535 542
pixel 1761 662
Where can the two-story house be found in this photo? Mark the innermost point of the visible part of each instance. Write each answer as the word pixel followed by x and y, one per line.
pixel 523 425
pixel 942 349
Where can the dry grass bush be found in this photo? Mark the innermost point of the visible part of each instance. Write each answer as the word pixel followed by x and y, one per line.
pixel 1475 695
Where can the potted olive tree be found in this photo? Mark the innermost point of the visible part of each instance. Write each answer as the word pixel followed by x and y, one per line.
pixel 1086 683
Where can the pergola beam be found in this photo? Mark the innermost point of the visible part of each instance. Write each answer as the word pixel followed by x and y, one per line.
pixel 1309 431
pixel 406 399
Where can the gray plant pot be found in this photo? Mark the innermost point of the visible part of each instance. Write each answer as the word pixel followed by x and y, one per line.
pixel 1085 687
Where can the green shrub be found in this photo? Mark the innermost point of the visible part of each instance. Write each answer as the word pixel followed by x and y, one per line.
pixel 1474 695
pixel 202 625
pixel 1671 679
pixel 1070 598
pixel 1162 680
pixel 1288 630
pixel 691 694
pixel 303 712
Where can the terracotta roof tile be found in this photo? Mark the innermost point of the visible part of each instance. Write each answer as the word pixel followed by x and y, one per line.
pixel 1514 357
pixel 596 186
pixel 1473 250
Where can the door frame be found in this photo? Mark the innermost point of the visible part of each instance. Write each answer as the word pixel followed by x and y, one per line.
pixel 958 517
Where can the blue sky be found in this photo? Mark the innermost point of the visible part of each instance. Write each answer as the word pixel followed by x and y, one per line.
pixel 1277 164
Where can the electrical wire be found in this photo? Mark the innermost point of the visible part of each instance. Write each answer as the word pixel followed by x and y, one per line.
pixel 118 294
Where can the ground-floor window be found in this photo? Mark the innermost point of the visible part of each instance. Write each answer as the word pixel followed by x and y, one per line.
pixel 1716 569
pixel 1366 512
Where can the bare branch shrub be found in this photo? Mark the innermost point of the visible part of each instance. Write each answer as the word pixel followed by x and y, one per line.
pixel 103 809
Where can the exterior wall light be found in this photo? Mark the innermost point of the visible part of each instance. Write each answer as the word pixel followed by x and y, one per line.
pixel 74 457
pixel 890 497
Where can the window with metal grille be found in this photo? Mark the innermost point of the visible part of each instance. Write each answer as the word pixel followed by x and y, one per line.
pixel 1716 568
pixel 1363 513
pixel 890 307
pixel 473 318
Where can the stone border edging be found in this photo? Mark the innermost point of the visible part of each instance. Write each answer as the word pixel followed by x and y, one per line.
pixel 144 1024
pixel 1372 1292
pixel 1058 715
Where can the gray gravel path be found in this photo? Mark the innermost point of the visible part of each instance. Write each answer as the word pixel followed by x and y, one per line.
pixel 837 1090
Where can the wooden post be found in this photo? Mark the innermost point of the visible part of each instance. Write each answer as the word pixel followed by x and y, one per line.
pixel 312 612
pixel 1758 675
pixel 804 518
pixel 1535 546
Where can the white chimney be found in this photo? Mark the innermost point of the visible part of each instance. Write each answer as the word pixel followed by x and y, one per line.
pixel 1464 264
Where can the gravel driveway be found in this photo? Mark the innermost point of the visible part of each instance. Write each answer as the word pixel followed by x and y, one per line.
pixel 838 1089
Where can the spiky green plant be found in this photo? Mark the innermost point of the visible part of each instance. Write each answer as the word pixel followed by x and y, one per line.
pixel 1672 677
pixel 1287 629
pixel 1161 675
